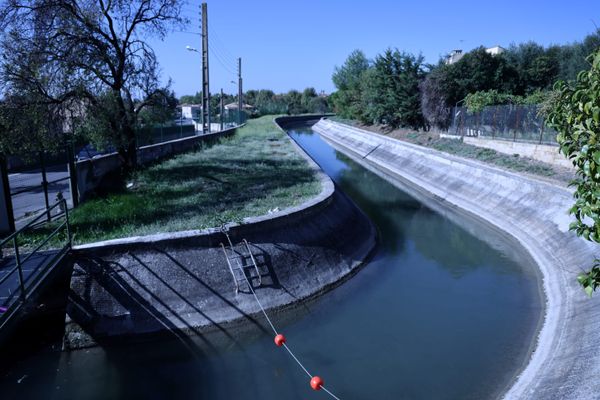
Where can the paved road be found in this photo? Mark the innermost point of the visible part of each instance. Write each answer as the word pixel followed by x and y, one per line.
pixel 31 202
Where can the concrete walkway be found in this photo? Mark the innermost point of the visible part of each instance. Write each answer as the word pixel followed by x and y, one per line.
pixel 566 362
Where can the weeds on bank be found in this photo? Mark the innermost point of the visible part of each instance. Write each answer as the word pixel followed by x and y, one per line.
pixel 248 174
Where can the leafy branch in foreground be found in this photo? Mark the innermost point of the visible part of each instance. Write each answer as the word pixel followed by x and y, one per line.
pixel 575 113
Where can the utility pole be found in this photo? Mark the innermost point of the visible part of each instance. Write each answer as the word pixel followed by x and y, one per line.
pixel 240 92
pixel 205 76
pixel 221 111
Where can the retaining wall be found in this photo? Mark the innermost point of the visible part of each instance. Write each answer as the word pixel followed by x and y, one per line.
pixel 541 152
pixel 94 173
pixel 565 363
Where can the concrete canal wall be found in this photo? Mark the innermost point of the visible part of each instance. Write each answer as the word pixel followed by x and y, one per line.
pixel 180 282
pixel 565 363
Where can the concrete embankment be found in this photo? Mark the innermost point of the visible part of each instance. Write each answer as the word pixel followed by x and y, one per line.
pixel 565 362
pixel 180 282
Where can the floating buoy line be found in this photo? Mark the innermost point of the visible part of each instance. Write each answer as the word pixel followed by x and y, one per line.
pixel 316 382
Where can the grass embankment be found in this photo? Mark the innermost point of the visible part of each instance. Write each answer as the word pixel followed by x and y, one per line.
pixel 255 171
pixel 457 147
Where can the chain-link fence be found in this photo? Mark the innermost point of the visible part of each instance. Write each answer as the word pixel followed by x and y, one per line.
pixel 519 123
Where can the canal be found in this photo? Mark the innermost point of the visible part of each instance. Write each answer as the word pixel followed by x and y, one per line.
pixel 442 311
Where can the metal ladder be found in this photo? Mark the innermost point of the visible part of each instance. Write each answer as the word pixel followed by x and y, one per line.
pixel 237 270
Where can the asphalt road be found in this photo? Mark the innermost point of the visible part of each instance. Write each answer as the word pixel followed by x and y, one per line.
pixel 31 201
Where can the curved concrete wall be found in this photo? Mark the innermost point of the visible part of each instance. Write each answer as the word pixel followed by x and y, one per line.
pixel 180 281
pixel 565 363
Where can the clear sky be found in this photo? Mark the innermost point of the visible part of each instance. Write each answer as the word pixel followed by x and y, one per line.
pixel 296 44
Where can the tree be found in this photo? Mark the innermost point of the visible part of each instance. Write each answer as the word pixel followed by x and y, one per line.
pixel 575 114
pixel 191 99
pixel 391 94
pixel 293 98
pixel 434 107
pixel 91 54
pixel 348 80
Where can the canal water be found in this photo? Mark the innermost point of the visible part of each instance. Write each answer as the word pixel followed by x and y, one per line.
pixel 442 311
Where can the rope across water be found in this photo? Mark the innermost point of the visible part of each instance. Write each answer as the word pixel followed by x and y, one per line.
pixel 320 386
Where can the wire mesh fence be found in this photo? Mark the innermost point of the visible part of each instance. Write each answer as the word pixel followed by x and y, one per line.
pixel 519 123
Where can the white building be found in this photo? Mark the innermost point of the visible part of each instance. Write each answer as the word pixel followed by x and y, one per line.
pixel 495 50
pixel 191 111
pixel 456 55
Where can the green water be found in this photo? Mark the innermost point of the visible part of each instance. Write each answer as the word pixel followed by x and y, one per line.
pixel 442 311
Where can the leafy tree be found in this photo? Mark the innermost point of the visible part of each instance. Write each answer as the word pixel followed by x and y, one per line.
pixel 392 94
pixel 91 55
pixel 191 99
pixel 29 126
pixel 434 105
pixel 575 114
pixel 348 81
pixel 293 99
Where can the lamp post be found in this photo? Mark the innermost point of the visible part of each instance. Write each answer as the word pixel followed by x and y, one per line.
pixel 205 93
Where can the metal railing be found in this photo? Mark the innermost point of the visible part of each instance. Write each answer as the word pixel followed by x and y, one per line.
pixel 26 285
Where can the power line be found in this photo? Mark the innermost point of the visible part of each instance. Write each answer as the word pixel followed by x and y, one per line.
pixel 222 43
pixel 220 61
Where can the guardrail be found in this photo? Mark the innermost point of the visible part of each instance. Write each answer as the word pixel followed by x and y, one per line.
pixel 24 260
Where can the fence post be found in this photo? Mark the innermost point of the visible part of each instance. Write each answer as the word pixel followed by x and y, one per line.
pixel 516 123
pixel 72 174
pixel 69 235
pixel 19 268
pixel 45 185
pixel 542 131
pixel 7 218
pixel 494 122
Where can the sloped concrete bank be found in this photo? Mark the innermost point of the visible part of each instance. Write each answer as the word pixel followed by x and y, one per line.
pixel 168 284
pixel 565 363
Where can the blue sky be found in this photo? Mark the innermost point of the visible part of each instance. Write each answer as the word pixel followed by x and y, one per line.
pixel 295 44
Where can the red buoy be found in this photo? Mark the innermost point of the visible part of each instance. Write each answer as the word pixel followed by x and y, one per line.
pixel 279 340
pixel 316 382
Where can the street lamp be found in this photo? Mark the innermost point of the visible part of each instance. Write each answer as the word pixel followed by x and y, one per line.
pixel 190 48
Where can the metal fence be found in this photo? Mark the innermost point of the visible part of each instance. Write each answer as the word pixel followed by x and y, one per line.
pixel 187 128
pixel 28 255
pixel 519 123
pixel 37 180
pixel 164 134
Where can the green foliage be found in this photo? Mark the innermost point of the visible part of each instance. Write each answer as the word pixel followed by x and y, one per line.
pixel 348 79
pixel 386 92
pixel 590 280
pixel 433 100
pixel 391 90
pixel 266 102
pixel 575 114
pixel 476 102
pixel 88 61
